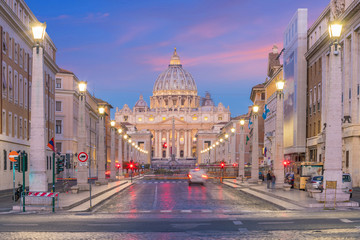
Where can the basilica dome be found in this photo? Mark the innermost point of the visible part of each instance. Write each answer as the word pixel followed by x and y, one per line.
pixel 175 80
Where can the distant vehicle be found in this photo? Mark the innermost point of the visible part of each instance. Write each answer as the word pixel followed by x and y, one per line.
pixel 197 176
pixel 314 183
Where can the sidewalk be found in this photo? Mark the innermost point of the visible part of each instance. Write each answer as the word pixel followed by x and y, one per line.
pixel 288 200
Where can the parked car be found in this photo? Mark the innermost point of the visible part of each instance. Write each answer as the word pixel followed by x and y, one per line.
pixel 197 176
pixel 314 182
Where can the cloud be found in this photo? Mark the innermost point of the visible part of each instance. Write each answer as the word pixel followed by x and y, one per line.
pixel 93 17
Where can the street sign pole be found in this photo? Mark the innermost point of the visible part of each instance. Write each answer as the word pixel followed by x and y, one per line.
pixel 53 187
pixel 22 158
pixel 13 165
pixel 90 182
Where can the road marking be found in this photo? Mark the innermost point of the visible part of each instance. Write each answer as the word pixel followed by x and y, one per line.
pixel 155 198
pixel 20 224
pixel 102 224
pixel 243 230
pixel 237 222
pixel 344 220
pixel 186 211
pixel 165 211
pixel 206 211
pixel 226 211
pixel 268 223
pixel 145 211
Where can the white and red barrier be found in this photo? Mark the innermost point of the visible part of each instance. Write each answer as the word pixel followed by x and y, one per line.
pixel 43 194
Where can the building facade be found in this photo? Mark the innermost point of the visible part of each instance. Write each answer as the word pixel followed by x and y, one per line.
pixel 16 77
pixel 175 117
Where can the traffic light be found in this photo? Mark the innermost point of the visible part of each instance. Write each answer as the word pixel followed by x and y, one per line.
pixel 235 165
pixel 286 163
pixel 24 162
pixel 117 165
pixel 60 164
pixel 165 145
pixel 222 165
pixel 17 164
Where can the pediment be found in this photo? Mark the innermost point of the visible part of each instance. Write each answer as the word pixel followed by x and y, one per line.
pixel 169 121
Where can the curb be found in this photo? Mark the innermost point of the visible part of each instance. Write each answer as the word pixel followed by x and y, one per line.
pixel 88 198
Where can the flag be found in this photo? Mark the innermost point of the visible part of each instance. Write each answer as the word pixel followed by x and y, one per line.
pixel 250 122
pixel 247 139
pixel 266 111
pixel 51 144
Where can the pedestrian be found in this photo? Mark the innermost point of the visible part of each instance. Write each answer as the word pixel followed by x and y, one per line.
pixel 273 180
pixel 268 179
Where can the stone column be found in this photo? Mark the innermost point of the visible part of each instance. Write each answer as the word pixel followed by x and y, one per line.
pixel 120 155
pixel 156 145
pixel 102 154
pixel 347 72
pixel 38 179
pixel 233 148
pixel 168 143
pixel 242 154
pixel 126 150
pixel 83 172
pixel 178 143
pixel 190 144
pixel 185 143
pixel 113 169
pixel 279 141
pixel 255 151
pixel 159 145
pixel 333 138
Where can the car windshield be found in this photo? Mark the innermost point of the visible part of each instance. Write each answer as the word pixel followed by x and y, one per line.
pixel 346 178
pixel 318 178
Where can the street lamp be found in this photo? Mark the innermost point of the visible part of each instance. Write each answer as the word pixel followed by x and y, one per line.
pixel 241 166
pixel 279 134
pixel 333 115
pixel 82 87
pixel 112 123
pixel 232 129
pixel 255 147
pixel 38 172
pixel 120 130
pixel 102 159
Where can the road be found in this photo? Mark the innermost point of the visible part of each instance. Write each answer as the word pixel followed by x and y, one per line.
pixel 172 210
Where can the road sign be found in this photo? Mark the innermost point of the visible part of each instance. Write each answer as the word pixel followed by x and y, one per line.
pixel 83 163
pixel 143 166
pixel 83 157
pixel 13 155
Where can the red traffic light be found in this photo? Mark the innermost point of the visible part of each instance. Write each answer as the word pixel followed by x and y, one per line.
pixel 131 166
pixel 117 165
pixel 235 164
pixel 286 163
pixel 222 165
pixel 165 145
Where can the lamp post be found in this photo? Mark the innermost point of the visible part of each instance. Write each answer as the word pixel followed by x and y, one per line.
pixel 242 152
pixel 255 147
pixel 120 152
pixel 102 158
pixel 113 169
pixel 333 139
pixel 82 174
pixel 37 177
pixel 279 135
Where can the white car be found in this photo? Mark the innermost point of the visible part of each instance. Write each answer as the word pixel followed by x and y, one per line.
pixel 197 176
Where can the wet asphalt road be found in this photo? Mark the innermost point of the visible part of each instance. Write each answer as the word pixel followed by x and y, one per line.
pixel 171 196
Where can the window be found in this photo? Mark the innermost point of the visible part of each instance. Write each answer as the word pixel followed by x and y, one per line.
pixel 10 47
pixel 319 126
pixel 25 129
pixel 30 95
pixel 194 117
pixel 219 118
pixel 262 96
pixel 10 124
pixel 26 62
pixel 206 118
pixel 58 126
pixel 4 80
pixel 20 128
pixel 21 90
pixel 164 154
pixel 126 118
pixel 16 87
pixel 58 83
pixel 182 153
pixel 10 77
pixel 4 45
pixel 21 57
pixel 16 55
pixel 15 126
pixel 47 162
pixel 5 160
pixel 3 120
pixel 347 159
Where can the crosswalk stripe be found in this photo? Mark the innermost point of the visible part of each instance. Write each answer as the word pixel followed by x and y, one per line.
pixel 344 220
pixel 186 211
pixel 166 211
pixel 206 210
pixel 237 222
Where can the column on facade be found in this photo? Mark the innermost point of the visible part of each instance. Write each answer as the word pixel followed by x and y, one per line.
pixel 113 169
pixel 168 143
pixel 155 143
pixel 120 154
pixel 347 72
pixel 233 148
pixel 178 143
pixel 279 139
pixel 190 144
pixel 125 150
pixel 185 143
pixel 242 153
pixel 355 76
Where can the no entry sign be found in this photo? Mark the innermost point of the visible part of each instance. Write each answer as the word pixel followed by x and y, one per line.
pixel 83 157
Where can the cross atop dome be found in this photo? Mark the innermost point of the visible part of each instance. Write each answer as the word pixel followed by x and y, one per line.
pixel 175 59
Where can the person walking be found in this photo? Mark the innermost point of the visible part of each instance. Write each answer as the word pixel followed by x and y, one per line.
pixel 273 180
pixel 268 179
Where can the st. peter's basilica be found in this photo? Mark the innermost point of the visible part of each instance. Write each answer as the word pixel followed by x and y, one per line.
pixel 179 123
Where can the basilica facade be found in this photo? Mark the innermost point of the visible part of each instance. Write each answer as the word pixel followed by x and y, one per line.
pixel 178 123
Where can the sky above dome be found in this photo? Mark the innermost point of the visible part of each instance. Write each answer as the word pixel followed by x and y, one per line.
pixel 121 46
